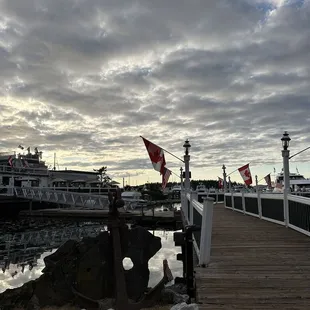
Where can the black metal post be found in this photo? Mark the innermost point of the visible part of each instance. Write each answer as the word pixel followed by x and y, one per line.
pixel 189 258
pixel 185 240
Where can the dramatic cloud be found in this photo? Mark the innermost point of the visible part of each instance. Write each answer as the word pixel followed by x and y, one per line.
pixel 85 79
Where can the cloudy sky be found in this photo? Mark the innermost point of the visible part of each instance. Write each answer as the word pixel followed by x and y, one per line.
pixel 86 78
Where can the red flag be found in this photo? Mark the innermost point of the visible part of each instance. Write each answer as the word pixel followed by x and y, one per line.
pixel 166 175
pixel 220 183
pixel 268 180
pixel 279 184
pixel 156 155
pixel 10 160
pixel 246 174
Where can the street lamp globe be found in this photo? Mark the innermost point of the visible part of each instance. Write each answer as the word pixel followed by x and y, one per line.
pixel 285 140
pixel 186 145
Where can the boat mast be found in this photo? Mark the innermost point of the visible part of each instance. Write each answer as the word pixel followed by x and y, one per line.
pixel 54 161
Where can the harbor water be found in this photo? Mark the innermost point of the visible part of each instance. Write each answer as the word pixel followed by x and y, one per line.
pixel 25 243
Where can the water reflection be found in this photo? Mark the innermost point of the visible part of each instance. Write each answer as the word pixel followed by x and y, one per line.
pixel 22 252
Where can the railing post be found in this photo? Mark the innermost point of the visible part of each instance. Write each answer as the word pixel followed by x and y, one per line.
pixel 191 211
pixel 184 204
pixel 206 231
pixel 259 204
pixel 243 202
pixel 232 201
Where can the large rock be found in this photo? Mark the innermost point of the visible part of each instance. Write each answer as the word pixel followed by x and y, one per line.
pixel 184 306
pixel 175 294
pixel 87 267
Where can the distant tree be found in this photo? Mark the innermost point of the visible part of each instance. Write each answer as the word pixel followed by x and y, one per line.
pixel 103 177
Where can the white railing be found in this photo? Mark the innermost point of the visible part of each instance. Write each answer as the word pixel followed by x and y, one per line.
pixel 62 197
pixel 199 214
pixel 270 207
pixel 23 170
pixel 217 195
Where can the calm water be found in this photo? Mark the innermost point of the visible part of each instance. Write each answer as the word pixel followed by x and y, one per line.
pixel 22 253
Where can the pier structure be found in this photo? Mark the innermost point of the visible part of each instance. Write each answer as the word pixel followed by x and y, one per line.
pixel 251 251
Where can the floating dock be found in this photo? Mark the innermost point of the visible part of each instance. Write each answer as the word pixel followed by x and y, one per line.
pixel 147 218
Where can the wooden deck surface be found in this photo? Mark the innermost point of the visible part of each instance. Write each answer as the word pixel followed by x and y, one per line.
pixel 254 264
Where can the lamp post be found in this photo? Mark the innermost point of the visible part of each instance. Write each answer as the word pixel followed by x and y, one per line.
pixel 187 146
pixel 224 179
pixel 181 177
pixel 286 172
pixel 229 184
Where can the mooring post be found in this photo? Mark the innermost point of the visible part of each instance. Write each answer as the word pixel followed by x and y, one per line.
pixel 185 240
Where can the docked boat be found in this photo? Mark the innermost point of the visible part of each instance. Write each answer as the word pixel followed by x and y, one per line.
pixel 176 189
pixel 201 188
pixel 133 200
pixel 297 182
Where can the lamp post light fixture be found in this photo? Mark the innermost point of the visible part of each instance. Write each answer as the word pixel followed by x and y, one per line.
pixel 224 179
pixel 187 146
pixel 286 173
pixel 285 140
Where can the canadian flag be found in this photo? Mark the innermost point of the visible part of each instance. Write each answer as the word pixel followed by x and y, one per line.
pixel 220 182
pixel 156 155
pixel 166 175
pixel 268 180
pixel 246 174
pixel 10 161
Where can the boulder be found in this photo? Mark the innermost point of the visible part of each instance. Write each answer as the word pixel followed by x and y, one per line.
pixel 185 306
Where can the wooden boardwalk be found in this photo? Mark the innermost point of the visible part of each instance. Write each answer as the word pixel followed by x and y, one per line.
pixel 254 264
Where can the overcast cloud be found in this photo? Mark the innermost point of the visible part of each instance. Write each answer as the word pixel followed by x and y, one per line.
pixel 85 78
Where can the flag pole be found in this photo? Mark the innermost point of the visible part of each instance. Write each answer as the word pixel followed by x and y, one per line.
pixel 168 152
pixel 235 170
pixel 264 177
pixel 232 172
pixel 175 174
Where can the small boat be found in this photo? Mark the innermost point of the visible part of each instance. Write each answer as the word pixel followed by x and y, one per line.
pixel 133 200
pixel 201 188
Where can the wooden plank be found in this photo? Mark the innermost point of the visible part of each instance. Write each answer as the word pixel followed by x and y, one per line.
pixel 254 264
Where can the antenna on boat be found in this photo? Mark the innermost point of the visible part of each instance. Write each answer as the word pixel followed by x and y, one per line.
pixel 54 168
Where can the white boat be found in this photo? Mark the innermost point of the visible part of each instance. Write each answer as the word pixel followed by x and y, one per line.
pixel 297 182
pixel 176 188
pixel 133 200
pixel 201 188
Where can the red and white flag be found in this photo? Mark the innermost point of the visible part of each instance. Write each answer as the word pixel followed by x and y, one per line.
pixel 220 183
pixel 10 160
pixel 166 175
pixel 246 174
pixel 279 185
pixel 268 180
pixel 156 155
